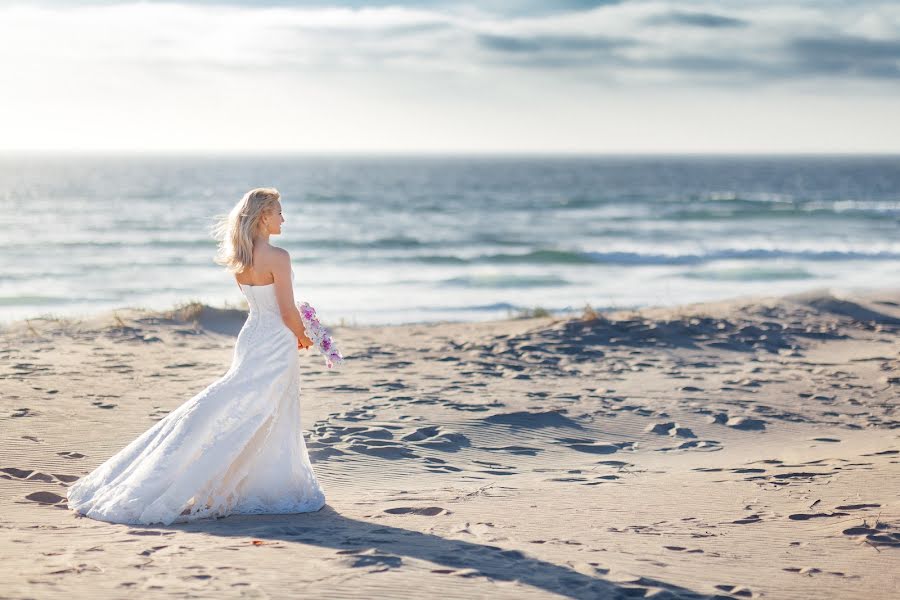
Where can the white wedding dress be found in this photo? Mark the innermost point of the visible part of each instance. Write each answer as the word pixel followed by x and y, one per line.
pixel 236 447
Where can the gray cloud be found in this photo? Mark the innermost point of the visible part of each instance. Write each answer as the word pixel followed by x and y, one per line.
pixel 697 19
pixel 847 55
pixel 757 54
pixel 724 43
pixel 547 43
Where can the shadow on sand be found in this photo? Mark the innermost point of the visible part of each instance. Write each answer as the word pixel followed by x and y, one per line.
pixel 366 544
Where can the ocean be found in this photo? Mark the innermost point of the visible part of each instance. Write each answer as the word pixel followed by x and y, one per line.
pixel 403 239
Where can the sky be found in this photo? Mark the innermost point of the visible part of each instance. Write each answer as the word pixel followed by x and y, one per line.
pixel 563 76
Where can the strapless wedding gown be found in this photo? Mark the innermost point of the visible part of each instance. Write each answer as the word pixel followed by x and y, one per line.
pixel 236 447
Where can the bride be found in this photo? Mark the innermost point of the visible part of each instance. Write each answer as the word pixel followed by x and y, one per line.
pixel 237 446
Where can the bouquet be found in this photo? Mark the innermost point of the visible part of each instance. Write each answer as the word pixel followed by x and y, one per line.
pixel 319 335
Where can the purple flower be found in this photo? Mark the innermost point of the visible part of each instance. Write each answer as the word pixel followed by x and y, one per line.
pixel 322 340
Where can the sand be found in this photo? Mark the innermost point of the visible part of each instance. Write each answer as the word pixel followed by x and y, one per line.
pixel 748 448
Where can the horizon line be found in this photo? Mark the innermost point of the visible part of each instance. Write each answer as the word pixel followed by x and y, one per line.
pixel 435 153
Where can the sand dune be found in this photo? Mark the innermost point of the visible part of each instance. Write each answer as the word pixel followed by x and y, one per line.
pixel 747 448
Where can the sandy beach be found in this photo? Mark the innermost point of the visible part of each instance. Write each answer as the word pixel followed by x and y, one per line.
pixel 747 448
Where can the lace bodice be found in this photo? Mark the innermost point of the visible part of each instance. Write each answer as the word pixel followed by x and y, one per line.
pixel 261 298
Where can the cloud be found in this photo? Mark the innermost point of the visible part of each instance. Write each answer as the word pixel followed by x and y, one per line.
pixel 640 41
pixel 698 19
pixel 497 7
pixel 550 43
pixel 847 56
pixel 439 74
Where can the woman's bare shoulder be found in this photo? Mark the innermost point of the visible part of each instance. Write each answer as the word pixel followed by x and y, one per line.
pixel 274 255
pixel 273 260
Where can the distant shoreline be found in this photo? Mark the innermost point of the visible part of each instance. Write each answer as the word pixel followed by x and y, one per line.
pixel 438 154
pixel 232 317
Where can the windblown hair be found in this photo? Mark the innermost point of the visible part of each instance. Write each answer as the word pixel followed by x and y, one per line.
pixel 235 230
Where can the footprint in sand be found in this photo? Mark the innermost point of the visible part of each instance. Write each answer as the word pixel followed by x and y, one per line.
pixel 683 549
pixel 355 415
pixel 670 428
pixel 437 438
pixel 495 468
pixel 615 463
pixel 442 468
pixel 701 445
pixel 857 506
pixel 802 570
pixel 690 388
pixel 517 450
pixel 473 407
pixel 748 520
pixel 345 388
pixel 14 473
pixel 69 454
pixel 746 423
pixel 533 420
pixel 101 404
pixel 660 428
pixel 593 446
pixel 158 413
pixel 30 475
pixel 377 433
pixel 882 453
pixel 796 477
pixel 879 534
pixel 186 365
pixel 601 479
pixel 151 550
pixel 46 498
pixel 567 479
pixel 391 385
pixel 427 511
pixel 381 449
pixel 736 590
pixel 715 418
pixel 398 364
pixel 808 516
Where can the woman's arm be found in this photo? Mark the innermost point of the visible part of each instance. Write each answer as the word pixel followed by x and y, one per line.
pixel 284 294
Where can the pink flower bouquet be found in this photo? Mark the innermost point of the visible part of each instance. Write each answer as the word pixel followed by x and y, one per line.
pixel 319 335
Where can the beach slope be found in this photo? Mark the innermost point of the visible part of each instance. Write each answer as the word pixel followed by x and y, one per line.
pixel 746 448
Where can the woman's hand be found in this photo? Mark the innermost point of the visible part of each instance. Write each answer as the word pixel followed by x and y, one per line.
pixel 304 342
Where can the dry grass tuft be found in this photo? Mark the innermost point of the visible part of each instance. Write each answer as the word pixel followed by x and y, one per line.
pixel 589 314
pixel 529 313
pixel 187 311
pixel 31 328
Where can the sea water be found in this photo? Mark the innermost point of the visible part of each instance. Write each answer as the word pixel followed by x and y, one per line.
pixel 400 239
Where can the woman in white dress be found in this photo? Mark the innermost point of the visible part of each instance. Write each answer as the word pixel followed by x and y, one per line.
pixel 236 447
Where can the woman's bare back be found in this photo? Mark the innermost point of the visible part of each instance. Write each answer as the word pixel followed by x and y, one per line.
pixel 261 271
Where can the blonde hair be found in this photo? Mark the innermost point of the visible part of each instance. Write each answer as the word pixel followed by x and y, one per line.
pixel 235 230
